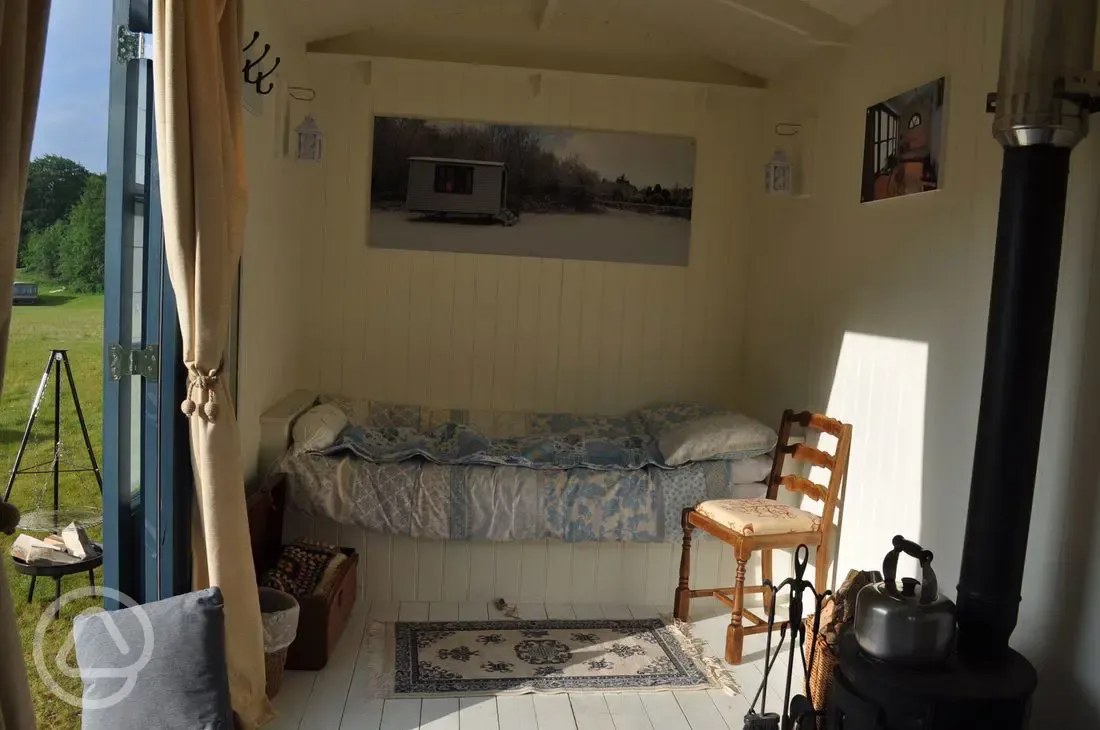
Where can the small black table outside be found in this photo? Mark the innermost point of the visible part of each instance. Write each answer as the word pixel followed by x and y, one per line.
pixel 57 570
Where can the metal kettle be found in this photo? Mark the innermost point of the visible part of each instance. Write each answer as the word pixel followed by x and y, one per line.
pixel 913 626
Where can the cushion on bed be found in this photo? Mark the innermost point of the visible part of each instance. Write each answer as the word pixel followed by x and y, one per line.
pixel 753 469
pixel 755 490
pixel 720 436
pixel 759 516
pixel 319 427
pixel 663 416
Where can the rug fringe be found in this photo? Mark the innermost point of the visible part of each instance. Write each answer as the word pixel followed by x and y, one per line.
pixel 717 671
pixel 379 679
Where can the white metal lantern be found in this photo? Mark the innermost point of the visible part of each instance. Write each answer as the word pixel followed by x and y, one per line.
pixel 778 175
pixel 310 140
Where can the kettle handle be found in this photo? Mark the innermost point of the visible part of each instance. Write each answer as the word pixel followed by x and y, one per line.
pixel 929 590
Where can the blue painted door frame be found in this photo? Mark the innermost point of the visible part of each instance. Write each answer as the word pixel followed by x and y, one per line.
pixel 146 467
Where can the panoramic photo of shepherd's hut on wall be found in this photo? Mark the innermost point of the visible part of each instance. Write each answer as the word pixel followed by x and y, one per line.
pixel 531 191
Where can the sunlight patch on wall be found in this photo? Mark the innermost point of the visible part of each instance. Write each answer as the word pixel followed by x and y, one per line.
pixel 879 387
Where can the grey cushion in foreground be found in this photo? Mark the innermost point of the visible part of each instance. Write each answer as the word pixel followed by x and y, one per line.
pixel 181 683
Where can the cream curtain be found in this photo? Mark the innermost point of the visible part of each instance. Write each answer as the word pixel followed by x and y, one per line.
pixel 197 81
pixel 22 47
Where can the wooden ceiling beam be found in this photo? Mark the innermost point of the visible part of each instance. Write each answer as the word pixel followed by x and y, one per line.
pixel 694 69
pixel 797 17
pixel 549 10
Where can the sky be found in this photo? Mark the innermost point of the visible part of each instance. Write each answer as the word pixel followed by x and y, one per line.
pixel 72 110
pixel 645 159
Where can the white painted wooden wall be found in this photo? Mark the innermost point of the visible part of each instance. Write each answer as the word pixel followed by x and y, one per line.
pixel 511 333
pixel 508 333
pixel 408 569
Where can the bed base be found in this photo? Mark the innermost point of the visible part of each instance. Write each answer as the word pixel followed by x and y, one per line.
pixel 393 569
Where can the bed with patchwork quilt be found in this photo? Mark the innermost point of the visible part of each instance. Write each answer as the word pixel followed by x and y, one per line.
pixel 453 474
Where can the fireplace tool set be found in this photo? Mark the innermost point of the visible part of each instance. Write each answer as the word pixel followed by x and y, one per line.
pixel 798 712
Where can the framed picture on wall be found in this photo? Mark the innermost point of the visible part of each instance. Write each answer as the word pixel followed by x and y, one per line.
pixel 903 143
pixel 521 190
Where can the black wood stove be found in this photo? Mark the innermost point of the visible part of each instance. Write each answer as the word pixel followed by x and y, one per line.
pixel 1045 93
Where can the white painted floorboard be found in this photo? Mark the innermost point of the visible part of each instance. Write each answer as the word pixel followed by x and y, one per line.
pixel 396 715
pixel 325 708
pixel 560 611
pixel 554 712
pixel 440 714
pixel 517 712
pixel 588 611
pixel 331 698
pixel 475 611
pixel 478 712
pixel 664 711
pixel 627 711
pixel 590 712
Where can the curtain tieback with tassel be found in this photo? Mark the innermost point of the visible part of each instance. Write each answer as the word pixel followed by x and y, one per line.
pixel 205 384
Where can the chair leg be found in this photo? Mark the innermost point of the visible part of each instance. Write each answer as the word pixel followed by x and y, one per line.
pixel 735 632
pixel 821 568
pixel 766 575
pixel 681 604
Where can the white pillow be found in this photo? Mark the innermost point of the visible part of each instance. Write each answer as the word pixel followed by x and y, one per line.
pixel 318 428
pixel 722 436
pixel 753 469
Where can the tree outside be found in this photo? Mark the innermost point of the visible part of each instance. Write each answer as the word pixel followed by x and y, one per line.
pixel 64 219
pixel 80 265
pixel 54 185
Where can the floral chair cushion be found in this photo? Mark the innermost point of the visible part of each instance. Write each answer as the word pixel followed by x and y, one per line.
pixel 759 516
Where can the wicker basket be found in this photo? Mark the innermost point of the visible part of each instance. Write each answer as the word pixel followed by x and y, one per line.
pixel 836 612
pixel 273 672
pixel 821 671
pixel 279 617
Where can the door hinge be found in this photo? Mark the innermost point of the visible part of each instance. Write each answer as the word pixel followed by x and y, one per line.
pixel 145 361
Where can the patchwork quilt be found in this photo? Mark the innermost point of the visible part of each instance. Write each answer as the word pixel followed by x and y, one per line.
pixel 456 474
pixel 459 444
pixel 389 433
pixel 418 498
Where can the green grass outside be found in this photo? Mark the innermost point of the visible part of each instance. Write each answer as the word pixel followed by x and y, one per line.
pixel 63 321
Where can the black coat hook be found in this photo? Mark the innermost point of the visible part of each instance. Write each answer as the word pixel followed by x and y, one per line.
pixel 249 65
pixel 260 75
pixel 263 76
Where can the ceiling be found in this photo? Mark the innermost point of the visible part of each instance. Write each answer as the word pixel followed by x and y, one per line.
pixel 736 42
pixel 849 11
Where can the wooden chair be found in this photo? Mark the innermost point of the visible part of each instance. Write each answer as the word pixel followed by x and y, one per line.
pixel 748 525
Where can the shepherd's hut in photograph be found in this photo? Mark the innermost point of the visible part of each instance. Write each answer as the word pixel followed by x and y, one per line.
pixel 471 187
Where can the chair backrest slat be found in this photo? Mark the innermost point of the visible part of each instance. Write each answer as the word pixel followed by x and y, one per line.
pixel 836 463
pixel 820 422
pixel 804 486
pixel 809 454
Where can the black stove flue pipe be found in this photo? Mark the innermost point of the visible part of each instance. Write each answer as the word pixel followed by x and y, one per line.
pixel 1010 418
pixel 1043 41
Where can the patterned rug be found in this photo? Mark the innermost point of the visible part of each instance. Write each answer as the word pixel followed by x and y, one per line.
pixel 517 657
